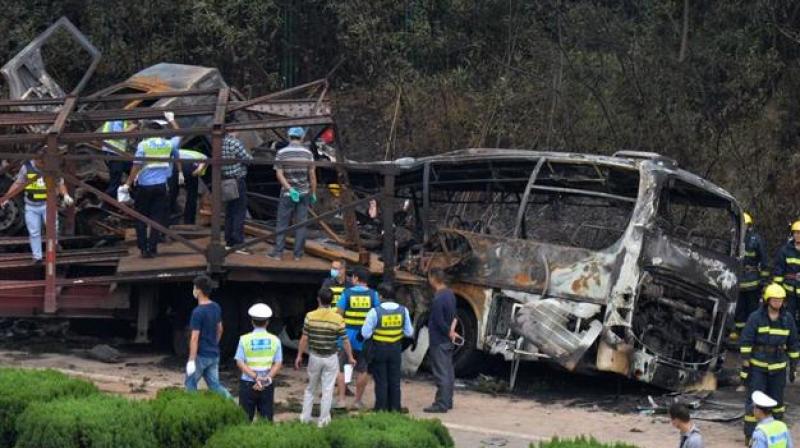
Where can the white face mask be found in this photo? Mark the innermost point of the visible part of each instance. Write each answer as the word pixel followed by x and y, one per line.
pixel 195 293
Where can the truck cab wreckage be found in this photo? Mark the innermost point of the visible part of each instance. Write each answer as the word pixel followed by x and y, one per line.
pixel 624 264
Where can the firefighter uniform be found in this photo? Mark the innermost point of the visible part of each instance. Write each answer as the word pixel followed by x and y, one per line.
pixel 787 271
pixel 387 325
pixel 754 273
pixel 768 348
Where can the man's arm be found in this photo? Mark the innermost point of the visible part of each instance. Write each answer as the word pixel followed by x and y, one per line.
pixel 312 177
pixel 301 348
pixel 194 342
pixel 277 361
pixel 16 188
pixel 282 179
pixel 219 332
pixel 369 324
pixel 408 327
pixel 241 362
pixel 348 349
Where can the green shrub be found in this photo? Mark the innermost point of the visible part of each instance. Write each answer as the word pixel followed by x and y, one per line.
pixel 386 430
pixel 19 388
pixel 97 421
pixel 580 442
pixel 267 435
pixel 188 419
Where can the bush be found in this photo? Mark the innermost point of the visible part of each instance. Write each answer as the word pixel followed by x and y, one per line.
pixel 19 388
pixel 386 430
pixel 98 421
pixel 580 442
pixel 267 435
pixel 188 419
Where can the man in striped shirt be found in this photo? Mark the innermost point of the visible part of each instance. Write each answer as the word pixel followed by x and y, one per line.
pixel 322 329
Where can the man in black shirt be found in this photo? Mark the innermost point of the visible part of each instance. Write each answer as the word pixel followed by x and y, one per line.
pixel 440 352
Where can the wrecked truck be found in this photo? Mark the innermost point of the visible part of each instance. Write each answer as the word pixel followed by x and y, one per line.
pixel 624 264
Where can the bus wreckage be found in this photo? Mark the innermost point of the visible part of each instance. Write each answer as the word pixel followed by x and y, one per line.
pixel 624 264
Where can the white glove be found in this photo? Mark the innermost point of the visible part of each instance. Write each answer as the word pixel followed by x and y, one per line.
pixel 170 116
pixel 190 368
pixel 181 179
pixel 123 194
pixel 68 201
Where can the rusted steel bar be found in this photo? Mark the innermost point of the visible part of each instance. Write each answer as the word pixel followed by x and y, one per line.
pixel 215 255
pixel 320 217
pixel 69 178
pixel 51 212
pixel 526 195
pixel 280 123
pixel 387 212
pixel 106 279
pixel 109 98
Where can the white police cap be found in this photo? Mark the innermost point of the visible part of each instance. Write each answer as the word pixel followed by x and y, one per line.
pixel 763 401
pixel 260 311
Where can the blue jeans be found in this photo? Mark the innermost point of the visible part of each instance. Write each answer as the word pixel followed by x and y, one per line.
pixel 208 369
pixel 287 208
pixel 35 216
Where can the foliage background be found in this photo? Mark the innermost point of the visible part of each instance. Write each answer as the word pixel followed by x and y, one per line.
pixel 712 84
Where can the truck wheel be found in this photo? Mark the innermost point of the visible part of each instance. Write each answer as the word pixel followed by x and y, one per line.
pixel 467 358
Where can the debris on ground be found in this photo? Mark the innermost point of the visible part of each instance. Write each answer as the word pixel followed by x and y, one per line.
pixel 104 353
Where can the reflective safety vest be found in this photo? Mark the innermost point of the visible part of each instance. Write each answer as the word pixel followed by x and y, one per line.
pixel 337 292
pixel 199 157
pixel 777 433
pixel 787 267
pixel 157 147
pixel 389 327
pixel 768 345
pixel 36 188
pixel 358 305
pixel 259 349
pixel 115 126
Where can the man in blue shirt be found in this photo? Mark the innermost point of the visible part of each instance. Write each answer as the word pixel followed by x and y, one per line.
pixel 769 433
pixel 441 324
pixel 151 197
pixel 354 304
pixel 259 357
pixel 386 326
pixel 206 326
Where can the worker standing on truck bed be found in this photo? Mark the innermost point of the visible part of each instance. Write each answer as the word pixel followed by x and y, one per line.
pixel 298 191
pixel 337 283
pixel 116 147
pixel 194 167
pixel 259 357
pixel 206 332
pixel 769 345
pixel 754 273
pixel 387 326
pixel 787 269
pixel 322 329
pixel 440 352
pixel 31 180
pixel 235 173
pixel 151 196
pixel 354 304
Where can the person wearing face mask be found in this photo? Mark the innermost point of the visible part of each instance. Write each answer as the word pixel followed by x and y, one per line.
pixel 337 283
pixel 206 326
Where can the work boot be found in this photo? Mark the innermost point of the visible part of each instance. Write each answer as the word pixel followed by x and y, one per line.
pixel 275 255
pixel 435 409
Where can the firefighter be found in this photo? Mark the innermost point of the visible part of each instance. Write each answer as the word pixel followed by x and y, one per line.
pixel 768 346
pixel 787 269
pixel 752 280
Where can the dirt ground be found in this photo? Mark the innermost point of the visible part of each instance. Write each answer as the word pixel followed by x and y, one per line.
pixel 552 403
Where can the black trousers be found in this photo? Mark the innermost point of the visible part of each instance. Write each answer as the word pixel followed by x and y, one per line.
pixel 772 384
pixel 116 169
pixel 384 364
pixel 235 212
pixel 191 184
pixel 251 400
pixel 152 202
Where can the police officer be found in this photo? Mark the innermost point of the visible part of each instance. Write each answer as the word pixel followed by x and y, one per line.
pixel 787 269
pixel 259 357
pixel 151 197
pixel 769 433
pixel 769 346
pixel 754 273
pixel 337 283
pixel 387 325
pixel 31 180
pixel 354 304
pixel 116 147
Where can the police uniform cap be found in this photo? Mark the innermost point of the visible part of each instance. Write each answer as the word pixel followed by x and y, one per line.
pixel 763 401
pixel 260 311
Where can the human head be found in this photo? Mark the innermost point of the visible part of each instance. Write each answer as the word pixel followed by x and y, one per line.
pixel 203 285
pixel 386 291
pixel 339 270
pixel 762 405
pixel 38 155
pixel 437 278
pixel 325 297
pixel 296 133
pixel 679 416
pixel 774 295
pixel 360 275
pixel 259 315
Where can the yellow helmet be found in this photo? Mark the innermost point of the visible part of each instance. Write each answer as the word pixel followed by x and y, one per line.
pixel 774 291
pixel 748 219
pixel 796 226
